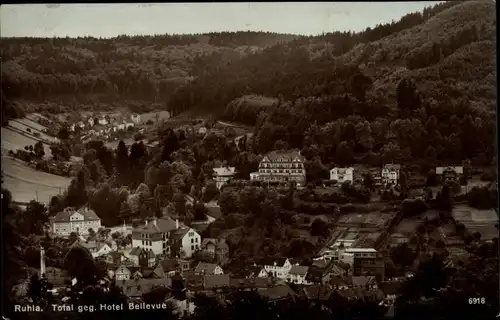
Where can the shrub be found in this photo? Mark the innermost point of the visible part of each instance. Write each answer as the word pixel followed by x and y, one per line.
pixel 480 198
pixel 488 175
pixel 413 207
pixel 319 228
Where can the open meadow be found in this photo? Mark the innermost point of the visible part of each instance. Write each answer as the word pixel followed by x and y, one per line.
pixel 26 183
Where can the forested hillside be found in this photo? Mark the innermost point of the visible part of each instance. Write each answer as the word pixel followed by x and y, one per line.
pixel 453 58
pixel 140 72
pixel 421 88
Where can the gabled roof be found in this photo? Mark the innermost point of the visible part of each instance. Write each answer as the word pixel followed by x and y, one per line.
pixel 287 156
pixel 100 245
pixel 391 287
pixel 362 281
pixel 322 263
pixel 456 169
pixel 206 268
pixel 392 166
pixel 164 224
pixel 341 170
pixel 218 243
pixel 243 283
pixel 216 281
pixel 138 287
pixel 181 232
pixel 225 171
pixel 123 268
pixel 194 281
pixel 278 292
pixel 136 251
pixel 270 262
pixel 64 216
pixel 299 270
pixel 214 212
pixel 207 241
pixel 154 273
pixel 338 281
pixel 335 269
pixel 255 270
pixel 170 265
pixel 317 292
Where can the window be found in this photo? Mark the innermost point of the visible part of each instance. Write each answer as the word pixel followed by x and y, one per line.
pixel 192 247
pixel 192 240
pixel 191 234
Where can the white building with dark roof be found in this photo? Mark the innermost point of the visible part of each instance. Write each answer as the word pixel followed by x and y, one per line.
pixel 281 167
pixel 155 235
pixel 205 268
pixel 342 175
pixel 70 220
pixel 223 175
pixel 185 242
pixel 390 174
pixel 297 274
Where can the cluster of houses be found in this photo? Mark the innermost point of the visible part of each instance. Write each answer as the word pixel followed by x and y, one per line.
pixel 282 167
pixel 98 126
pixel 143 272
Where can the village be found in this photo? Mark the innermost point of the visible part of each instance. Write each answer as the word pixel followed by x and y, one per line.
pixel 164 252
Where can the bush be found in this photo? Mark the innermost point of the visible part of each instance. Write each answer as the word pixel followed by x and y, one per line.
pixel 480 198
pixel 432 179
pixel 319 228
pixel 413 207
pixel 488 175
pixel 387 195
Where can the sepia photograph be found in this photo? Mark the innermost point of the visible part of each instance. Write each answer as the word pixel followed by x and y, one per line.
pixel 247 161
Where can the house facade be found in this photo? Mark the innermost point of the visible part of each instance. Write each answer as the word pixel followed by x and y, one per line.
pixel 390 174
pixel 70 220
pixel 122 273
pixel 279 269
pixel 281 167
pixel 342 175
pixel 135 118
pixel 185 242
pixel 366 262
pixel 204 268
pixel 298 274
pixel 223 175
pixel 217 249
pixel 155 235
pixel 102 249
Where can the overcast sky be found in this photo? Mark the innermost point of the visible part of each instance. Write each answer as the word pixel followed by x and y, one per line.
pixel 109 20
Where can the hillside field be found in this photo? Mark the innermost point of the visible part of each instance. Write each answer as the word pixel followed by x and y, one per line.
pixel 24 182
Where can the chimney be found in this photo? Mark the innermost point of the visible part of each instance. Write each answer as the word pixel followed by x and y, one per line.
pixel 146 222
pixel 176 223
pixel 154 222
pixel 42 261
